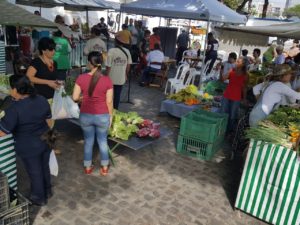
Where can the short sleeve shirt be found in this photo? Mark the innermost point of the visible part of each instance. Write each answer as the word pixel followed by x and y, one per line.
pixel 43 72
pixel 95 104
pixel 118 61
pixel 236 84
pixel 213 47
pixel 95 44
pixel 27 125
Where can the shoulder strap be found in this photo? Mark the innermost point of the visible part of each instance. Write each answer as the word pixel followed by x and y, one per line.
pixel 123 51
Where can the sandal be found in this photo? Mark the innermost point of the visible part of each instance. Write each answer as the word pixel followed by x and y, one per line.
pixel 89 170
pixel 104 172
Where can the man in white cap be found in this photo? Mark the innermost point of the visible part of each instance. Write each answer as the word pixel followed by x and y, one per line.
pixel 118 66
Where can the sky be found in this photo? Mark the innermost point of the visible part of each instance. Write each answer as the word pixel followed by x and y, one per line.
pixel 281 3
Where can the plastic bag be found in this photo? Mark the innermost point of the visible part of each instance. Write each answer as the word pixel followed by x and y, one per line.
pixel 63 107
pixel 53 165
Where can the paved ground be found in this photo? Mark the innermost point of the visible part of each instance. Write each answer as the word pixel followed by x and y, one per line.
pixel 144 188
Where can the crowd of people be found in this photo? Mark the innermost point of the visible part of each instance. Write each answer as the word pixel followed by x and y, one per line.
pixel 98 90
pixel 279 87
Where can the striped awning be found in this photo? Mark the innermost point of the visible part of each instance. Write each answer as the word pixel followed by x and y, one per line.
pixel 270 184
pixel 8 160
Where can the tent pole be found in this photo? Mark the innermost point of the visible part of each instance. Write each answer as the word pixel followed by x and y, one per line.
pixel 5 38
pixel 159 20
pixel 120 20
pixel 87 18
pixel 203 58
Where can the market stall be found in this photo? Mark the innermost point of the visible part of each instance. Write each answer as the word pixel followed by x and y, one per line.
pixel 189 99
pixel 269 188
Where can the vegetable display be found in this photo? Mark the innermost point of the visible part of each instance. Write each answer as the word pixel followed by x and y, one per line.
pixel 125 125
pixel 281 127
pixel 186 94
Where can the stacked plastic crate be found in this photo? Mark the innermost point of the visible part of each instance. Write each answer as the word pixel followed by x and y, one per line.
pixel 201 134
pixel 13 206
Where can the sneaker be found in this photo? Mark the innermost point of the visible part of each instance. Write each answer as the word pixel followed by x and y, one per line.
pixel 89 170
pixel 104 172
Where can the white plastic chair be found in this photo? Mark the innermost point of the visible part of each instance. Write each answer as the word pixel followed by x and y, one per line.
pixel 188 78
pixel 179 77
pixel 183 60
pixel 221 54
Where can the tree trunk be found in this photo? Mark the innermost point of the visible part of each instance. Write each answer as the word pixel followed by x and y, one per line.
pixel 265 9
pixel 241 6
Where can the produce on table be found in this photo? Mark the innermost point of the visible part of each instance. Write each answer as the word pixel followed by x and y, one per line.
pixel 283 116
pixel 207 97
pixel 190 92
pixel 255 77
pixel 269 132
pixel 281 127
pixel 149 128
pixel 192 101
pixel 125 125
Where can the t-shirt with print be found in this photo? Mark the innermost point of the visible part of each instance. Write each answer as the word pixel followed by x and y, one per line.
pixel 96 104
pixel 213 47
pixel 43 72
pixel 118 61
pixel 95 45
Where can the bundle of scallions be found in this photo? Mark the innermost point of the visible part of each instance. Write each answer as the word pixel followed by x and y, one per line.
pixel 269 132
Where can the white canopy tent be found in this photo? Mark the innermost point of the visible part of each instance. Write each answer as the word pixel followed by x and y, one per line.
pixel 206 10
pixel 257 35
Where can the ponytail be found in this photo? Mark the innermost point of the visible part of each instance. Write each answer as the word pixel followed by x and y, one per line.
pixel 94 81
pixel 95 59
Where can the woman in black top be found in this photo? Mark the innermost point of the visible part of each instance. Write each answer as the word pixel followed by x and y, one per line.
pixel 28 126
pixel 43 70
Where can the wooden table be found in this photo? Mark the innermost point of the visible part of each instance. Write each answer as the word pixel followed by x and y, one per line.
pixel 192 60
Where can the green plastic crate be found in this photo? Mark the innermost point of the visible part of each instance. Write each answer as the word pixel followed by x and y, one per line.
pixel 197 148
pixel 203 125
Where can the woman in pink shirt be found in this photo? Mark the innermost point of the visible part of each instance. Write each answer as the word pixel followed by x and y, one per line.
pixel 95 111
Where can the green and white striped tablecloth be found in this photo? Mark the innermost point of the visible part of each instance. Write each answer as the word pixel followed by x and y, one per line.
pixel 8 160
pixel 270 184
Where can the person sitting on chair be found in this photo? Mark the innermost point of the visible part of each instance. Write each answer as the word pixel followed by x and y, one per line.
pixel 154 59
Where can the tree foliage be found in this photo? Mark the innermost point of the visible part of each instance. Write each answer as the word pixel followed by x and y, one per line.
pixel 293 11
pixel 233 4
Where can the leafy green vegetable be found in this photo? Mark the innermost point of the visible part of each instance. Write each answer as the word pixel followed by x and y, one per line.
pixel 69 85
pixel 283 116
pixel 124 124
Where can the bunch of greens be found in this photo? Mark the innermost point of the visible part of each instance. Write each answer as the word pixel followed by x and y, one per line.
pixel 124 124
pixel 285 116
pixel 269 132
pixel 69 85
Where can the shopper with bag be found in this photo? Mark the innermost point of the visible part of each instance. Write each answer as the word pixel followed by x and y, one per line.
pixel 43 72
pixel 95 112
pixel 28 126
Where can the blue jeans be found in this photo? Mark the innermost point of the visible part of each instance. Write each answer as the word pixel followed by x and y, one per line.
pixel 146 78
pixel 232 109
pixel 92 124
